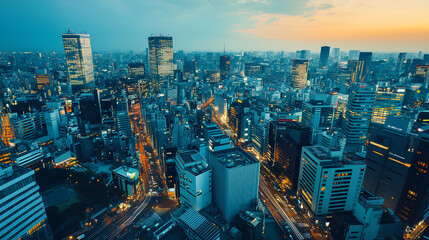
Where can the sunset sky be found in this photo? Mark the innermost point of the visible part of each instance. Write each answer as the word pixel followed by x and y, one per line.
pixel 372 25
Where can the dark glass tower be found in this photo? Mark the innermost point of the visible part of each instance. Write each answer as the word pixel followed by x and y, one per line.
pixel 324 56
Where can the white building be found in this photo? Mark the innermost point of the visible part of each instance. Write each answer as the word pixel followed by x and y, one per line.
pixel 52 123
pixel 195 179
pixel 235 180
pixel 127 180
pixel 22 213
pixel 326 183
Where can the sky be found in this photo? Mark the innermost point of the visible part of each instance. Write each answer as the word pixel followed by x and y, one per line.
pixel 208 25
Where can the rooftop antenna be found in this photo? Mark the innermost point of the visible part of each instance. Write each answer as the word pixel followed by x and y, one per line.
pixel 224 47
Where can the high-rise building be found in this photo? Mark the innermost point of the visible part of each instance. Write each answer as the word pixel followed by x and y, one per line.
pixel 388 101
pixel 235 180
pixel 354 54
pixel 318 115
pixel 42 80
pixel 136 70
pixel 400 63
pixel 324 56
pixel 396 161
pixel 23 214
pixel 123 123
pixel 127 180
pixel 299 73
pixel 366 57
pixel 358 114
pixel 252 69
pixel 195 179
pixel 78 52
pixel 52 123
pixel 289 148
pixel 224 67
pixel 356 70
pixel 239 119
pixel 161 60
pixel 336 52
pixel 327 184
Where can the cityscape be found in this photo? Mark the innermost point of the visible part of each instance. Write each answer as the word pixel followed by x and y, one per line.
pixel 167 143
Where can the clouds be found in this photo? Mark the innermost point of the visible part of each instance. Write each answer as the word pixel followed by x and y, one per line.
pixel 207 24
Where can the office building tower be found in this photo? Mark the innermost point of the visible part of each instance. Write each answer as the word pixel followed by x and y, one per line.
pixel 275 129
pixel 414 201
pixel 303 54
pixel 260 138
pixel 317 114
pixel 289 148
pixel 52 121
pixel 356 70
pixel 324 56
pixel 239 119
pixel 78 52
pixel 136 70
pixel 195 179
pixel 235 180
pixel 123 123
pixel 224 67
pixel 42 80
pixel 422 75
pixel 252 69
pixel 426 59
pixel 358 114
pixel 369 220
pixel 190 67
pixel 366 57
pixel 7 133
pixel 161 60
pixel 299 73
pixel 400 63
pixel 354 54
pixel 326 183
pixel 336 52
pixel 23 214
pixel 396 161
pixel 388 101
pixel 28 126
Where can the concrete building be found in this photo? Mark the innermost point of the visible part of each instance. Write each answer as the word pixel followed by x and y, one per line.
pixel 195 179
pixel 299 73
pixel 358 115
pixel 235 180
pixel 22 213
pixel 52 124
pixel 127 180
pixel 326 183
pixel 77 48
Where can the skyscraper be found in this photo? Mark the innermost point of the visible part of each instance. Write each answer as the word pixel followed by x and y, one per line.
pixel 366 57
pixel 78 53
pixel 388 101
pixel 224 67
pixel 324 56
pixel 356 70
pixel 326 183
pixel 23 214
pixel 358 114
pixel 400 63
pixel 235 180
pixel 398 168
pixel 299 73
pixel 161 60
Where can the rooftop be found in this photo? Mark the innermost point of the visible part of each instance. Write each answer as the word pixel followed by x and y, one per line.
pixel 190 219
pixel 193 162
pixel 127 172
pixel 234 157
pixel 9 172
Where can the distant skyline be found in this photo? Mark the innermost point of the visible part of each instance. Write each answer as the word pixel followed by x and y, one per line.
pixel 205 25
